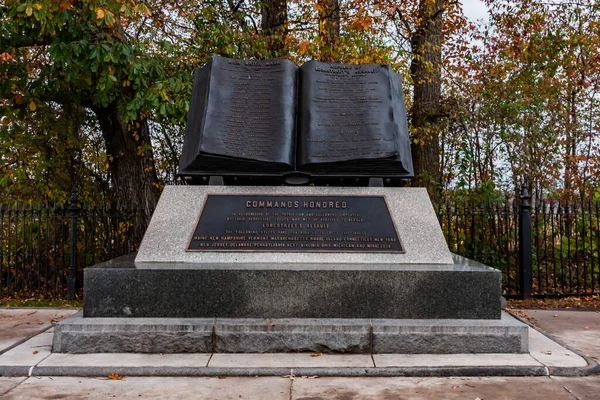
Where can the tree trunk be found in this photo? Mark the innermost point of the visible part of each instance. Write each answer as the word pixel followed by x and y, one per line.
pixel 426 110
pixel 329 28
pixel 273 24
pixel 130 162
pixel 570 147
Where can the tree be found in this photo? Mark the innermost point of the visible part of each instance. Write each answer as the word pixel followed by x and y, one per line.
pixel 98 55
pixel 274 24
pixel 329 28
pixel 420 31
pixel 524 89
pixel 485 102
pixel 425 68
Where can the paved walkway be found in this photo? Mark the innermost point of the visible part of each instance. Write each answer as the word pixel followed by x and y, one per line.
pixel 579 330
pixel 19 324
pixel 294 380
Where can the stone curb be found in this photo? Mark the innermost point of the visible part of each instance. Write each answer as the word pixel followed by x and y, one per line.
pixel 15 371
pixel 593 368
pixel 282 372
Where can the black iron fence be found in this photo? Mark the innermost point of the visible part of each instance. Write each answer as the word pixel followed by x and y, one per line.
pixel 562 257
pixel 37 246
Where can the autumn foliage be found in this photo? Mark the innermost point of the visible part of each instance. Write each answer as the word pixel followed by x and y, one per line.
pixel 94 93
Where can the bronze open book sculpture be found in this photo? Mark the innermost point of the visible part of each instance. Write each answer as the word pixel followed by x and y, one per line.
pixel 272 118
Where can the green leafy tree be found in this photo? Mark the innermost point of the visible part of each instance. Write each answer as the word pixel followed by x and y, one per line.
pixel 113 58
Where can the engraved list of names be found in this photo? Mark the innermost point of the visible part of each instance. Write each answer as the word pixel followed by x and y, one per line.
pixel 350 112
pixel 250 101
pixel 296 224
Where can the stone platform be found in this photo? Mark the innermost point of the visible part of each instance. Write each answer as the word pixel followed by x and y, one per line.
pixel 360 336
pixel 128 289
pixel 413 296
pixel 265 308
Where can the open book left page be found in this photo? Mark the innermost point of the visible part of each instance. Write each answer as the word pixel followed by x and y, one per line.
pixel 242 116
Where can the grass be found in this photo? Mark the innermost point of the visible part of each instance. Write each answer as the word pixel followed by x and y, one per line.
pixel 38 303
pixel 574 303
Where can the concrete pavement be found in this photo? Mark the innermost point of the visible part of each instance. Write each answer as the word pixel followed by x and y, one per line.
pixel 579 330
pixel 305 388
pixel 300 376
pixel 19 324
pixel 278 388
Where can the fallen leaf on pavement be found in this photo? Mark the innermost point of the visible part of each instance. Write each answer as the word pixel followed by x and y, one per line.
pixel 35 352
pixel 116 377
pixel 316 354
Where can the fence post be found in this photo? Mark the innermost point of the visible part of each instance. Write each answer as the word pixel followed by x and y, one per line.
pixel 72 278
pixel 525 270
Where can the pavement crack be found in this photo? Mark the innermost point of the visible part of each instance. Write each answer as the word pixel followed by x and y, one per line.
pixel 33 367
pixel 3 394
pixel 23 340
pixel 209 358
pixel 291 385
pixel 371 342
pixel 564 387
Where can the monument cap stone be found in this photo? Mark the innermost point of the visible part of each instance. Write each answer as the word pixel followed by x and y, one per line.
pixel 172 229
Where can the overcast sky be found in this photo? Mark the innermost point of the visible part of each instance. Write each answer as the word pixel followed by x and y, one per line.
pixel 474 9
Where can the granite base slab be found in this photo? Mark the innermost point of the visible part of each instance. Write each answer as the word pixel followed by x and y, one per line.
pixel 77 334
pixel 126 335
pixel 450 336
pixel 292 335
pixel 123 288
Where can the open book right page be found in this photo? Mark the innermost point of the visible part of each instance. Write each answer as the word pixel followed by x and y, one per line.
pixel 347 120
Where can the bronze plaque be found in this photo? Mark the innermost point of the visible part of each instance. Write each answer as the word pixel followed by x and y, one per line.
pixel 296 224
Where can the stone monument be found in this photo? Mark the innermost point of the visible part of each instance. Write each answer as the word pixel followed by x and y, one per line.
pixel 294 233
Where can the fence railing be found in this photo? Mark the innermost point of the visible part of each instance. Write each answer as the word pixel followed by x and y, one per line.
pixel 36 245
pixel 560 250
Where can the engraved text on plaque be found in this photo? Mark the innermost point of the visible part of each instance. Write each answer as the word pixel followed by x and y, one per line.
pixel 296 224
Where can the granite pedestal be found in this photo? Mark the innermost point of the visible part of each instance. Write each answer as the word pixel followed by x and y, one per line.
pixel 124 288
pixel 167 299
